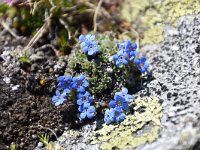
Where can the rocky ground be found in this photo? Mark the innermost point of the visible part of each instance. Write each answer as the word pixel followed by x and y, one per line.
pixel 175 66
pixel 26 111
pixel 26 88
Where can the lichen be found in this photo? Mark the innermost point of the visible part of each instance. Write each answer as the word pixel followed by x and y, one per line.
pixel 138 128
pixel 150 16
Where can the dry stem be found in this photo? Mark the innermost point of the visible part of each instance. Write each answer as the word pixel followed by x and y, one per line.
pixel 95 15
pixel 6 27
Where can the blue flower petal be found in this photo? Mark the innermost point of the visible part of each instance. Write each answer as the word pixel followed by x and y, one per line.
pixel 81 108
pixel 107 120
pixel 55 99
pixel 91 109
pixel 61 78
pixel 115 57
pixel 74 85
pixel 143 59
pixel 85 83
pixel 83 115
pixel 118 63
pixel 83 44
pixel 125 61
pixel 90 99
pixel 80 95
pixel 58 93
pixel 57 103
pixel 67 90
pixel 88 36
pixel 82 37
pixel 125 106
pixel 136 53
pixel 81 77
pixel 79 102
pixel 68 78
pixel 92 37
pixel 122 116
pixel 81 89
pixel 86 93
pixel 112 103
pixel 85 49
pixel 90 52
pixel 134 46
pixel 90 115
pixel 75 79
pixel 124 90
pixel 136 61
pixel 86 105
pixel 146 65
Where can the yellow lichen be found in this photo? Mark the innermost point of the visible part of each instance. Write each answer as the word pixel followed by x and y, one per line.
pixel 132 131
pixel 150 15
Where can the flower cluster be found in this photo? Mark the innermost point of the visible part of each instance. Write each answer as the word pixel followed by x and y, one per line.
pixel 118 106
pixel 128 53
pixel 89 45
pixel 79 83
pixel 100 79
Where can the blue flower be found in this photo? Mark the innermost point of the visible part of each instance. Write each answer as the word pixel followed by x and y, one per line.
pixel 84 98
pixel 109 116
pixel 124 93
pixel 118 115
pixel 128 48
pixel 87 110
pixel 131 50
pixel 142 64
pixel 59 98
pixel 114 115
pixel 65 83
pixel 121 46
pixel 86 38
pixel 88 44
pixel 120 58
pixel 80 83
pixel 119 101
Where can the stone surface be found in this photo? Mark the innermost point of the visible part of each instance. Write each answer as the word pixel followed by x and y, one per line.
pixel 151 16
pixel 177 82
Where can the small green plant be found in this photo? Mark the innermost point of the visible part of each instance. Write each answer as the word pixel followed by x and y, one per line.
pixel 49 145
pixel 13 147
pixel 105 66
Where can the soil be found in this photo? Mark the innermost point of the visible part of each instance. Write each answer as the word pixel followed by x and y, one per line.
pixel 26 110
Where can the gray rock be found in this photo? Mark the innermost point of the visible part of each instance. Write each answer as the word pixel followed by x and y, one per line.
pixel 173 67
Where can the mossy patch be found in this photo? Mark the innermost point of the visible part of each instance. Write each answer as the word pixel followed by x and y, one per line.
pixel 135 130
pixel 150 15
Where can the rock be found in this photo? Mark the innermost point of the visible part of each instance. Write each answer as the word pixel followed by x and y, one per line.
pixel 174 58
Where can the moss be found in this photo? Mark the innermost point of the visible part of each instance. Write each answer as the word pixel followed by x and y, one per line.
pixel 150 16
pixel 136 130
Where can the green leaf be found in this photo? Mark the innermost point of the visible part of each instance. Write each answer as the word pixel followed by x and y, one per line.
pixel 24 60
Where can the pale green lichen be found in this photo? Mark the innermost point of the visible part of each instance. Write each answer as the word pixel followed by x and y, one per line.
pixel 135 130
pixel 150 15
